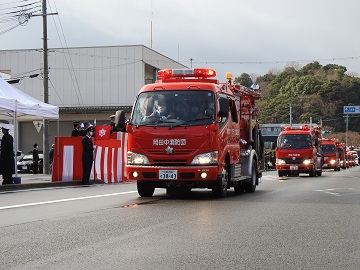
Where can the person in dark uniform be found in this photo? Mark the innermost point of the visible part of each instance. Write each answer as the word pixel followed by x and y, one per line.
pixel 87 155
pixel 35 153
pixel 76 131
pixel 7 155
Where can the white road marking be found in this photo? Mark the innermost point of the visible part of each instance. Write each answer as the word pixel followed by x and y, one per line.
pixel 331 191
pixel 65 200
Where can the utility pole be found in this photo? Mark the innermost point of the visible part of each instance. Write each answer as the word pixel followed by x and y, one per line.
pixel 346 134
pixel 46 147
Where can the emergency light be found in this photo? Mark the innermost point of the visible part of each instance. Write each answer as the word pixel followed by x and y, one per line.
pixel 306 127
pixel 176 73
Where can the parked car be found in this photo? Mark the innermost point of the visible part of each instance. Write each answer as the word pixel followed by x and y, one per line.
pixel 24 165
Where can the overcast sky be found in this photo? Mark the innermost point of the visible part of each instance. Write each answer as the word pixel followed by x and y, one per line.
pixel 252 36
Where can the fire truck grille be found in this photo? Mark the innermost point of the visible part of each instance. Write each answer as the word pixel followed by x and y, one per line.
pixel 149 175
pixel 176 151
pixel 170 162
pixel 292 161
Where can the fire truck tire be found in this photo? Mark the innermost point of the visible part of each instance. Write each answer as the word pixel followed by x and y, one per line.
pixel 280 173
pixel 145 189
pixel 250 186
pixel 312 173
pixel 219 189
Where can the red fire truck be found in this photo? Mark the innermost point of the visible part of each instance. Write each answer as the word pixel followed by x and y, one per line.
pixel 331 154
pixel 342 154
pixel 298 151
pixel 187 131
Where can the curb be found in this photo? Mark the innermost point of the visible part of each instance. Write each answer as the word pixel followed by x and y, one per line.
pixel 44 185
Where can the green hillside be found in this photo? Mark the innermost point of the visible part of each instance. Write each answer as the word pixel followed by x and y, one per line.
pixel 313 91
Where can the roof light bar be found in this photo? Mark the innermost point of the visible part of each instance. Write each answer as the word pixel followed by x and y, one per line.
pixel 180 73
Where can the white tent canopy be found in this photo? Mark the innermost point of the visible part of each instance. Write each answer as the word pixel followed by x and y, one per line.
pixel 26 107
pixel 15 105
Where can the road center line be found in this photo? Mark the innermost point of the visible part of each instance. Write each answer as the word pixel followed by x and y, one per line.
pixel 65 200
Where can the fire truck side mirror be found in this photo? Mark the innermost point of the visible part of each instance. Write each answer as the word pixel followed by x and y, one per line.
pixel 316 143
pixel 224 105
pixel 120 120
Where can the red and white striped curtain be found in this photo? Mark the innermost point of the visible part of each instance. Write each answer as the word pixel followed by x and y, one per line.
pixel 109 159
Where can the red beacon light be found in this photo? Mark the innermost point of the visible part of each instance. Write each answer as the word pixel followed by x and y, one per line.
pixel 180 73
pixel 306 127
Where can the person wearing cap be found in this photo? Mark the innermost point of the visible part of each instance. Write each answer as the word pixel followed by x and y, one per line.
pixel 86 124
pixel 87 155
pixel 7 155
pixel 76 131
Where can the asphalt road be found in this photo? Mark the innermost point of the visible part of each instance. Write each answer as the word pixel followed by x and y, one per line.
pixel 288 223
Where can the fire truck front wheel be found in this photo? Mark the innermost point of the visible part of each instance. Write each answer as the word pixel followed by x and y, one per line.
pixel 145 189
pixel 250 186
pixel 219 190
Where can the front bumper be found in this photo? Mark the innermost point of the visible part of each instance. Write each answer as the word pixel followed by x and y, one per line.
pixel 183 173
pixel 299 168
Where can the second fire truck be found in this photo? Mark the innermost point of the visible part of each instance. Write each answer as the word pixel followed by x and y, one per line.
pixel 298 150
pixel 331 154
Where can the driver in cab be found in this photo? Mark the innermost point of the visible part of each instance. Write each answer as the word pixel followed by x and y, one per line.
pixel 162 109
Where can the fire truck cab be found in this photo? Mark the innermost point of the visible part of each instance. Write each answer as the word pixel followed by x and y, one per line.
pixel 298 151
pixel 187 131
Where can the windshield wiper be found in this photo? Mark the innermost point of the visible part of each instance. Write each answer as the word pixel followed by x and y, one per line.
pixel 186 123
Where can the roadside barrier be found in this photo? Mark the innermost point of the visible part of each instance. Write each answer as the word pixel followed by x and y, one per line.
pixel 109 159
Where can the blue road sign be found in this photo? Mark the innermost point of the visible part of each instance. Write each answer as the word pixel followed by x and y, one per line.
pixel 351 109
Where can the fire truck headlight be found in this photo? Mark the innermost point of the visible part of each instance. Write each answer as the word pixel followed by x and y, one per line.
pixel 280 161
pixel 332 162
pixel 205 158
pixel 137 159
pixel 308 161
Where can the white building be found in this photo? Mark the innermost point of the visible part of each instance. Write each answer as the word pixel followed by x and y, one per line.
pixel 87 83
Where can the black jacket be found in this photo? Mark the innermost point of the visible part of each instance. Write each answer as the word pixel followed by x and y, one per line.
pixel 87 155
pixel 7 154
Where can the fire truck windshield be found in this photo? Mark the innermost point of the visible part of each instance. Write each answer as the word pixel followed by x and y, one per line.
pixel 294 141
pixel 328 148
pixel 170 108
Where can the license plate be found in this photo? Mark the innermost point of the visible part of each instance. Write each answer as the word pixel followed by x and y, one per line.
pixel 24 167
pixel 294 168
pixel 168 174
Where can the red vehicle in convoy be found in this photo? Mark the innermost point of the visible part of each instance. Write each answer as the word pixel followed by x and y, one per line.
pixel 298 151
pixel 353 158
pixel 187 131
pixel 342 156
pixel 331 154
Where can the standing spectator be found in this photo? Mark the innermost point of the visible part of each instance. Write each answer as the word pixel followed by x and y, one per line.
pixel 7 155
pixel 35 153
pixel 76 131
pixel 87 155
pixel 51 156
